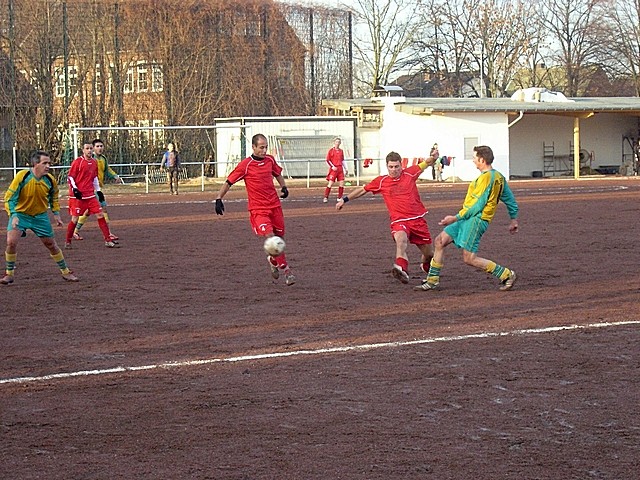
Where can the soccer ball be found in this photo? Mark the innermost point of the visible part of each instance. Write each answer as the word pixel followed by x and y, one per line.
pixel 274 246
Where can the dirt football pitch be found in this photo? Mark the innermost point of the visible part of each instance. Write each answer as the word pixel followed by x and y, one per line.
pixel 177 356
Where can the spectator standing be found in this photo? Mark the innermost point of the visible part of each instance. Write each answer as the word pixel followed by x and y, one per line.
pixel 434 153
pixel 171 161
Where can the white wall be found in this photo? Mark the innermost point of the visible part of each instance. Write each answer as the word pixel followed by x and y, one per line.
pixel 413 135
pixel 601 134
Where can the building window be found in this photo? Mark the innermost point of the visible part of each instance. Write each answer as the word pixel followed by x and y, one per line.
pixel 157 78
pixel 158 134
pixel 144 134
pixel 128 81
pixel 469 143
pixel 98 81
pixel 143 79
pixel 284 73
pixel 73 81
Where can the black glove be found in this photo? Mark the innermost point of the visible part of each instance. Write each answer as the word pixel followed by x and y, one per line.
pixel 219 206
pixel 100 196
pixel 285 192
pixel 77 194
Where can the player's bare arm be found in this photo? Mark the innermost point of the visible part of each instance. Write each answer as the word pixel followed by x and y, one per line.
pixel 357 193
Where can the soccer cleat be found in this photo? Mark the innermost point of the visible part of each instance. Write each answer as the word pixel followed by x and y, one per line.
pixel 76 236
pixel 275 272
pixel 7 280
pixel 70 277
pixel 67 246
pixel 426 286
pixel 110 244
pixel 325 200
pixel 399 273
pixel 113 237
pixel 509 281
pixel 289 278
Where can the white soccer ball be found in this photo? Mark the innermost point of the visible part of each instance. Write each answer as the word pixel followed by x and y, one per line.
pixel 274 246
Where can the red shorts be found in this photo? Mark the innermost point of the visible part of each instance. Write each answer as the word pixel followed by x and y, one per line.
pixel 417 230
pixel 334 175
pixel 267 221
pixel 78 207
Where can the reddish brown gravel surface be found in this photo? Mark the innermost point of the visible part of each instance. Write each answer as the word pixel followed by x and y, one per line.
pixel 178 357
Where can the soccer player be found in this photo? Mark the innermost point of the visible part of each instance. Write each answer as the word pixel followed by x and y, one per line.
pixel 337 169
pixel 265 209
pixel 467 227
pixel 83 190
pixel 406 211
pixel 104 170
pixel 31 193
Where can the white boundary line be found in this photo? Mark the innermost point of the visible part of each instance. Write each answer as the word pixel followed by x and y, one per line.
pixel 319 351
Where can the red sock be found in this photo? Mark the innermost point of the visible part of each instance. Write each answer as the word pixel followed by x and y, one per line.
pixel 281 261
pixel 70 228
pixel 327 191
pixel 102 223
pixel 340 192
pixel 404 264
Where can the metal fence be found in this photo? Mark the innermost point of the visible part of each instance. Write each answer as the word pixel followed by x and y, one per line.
pixel 199 174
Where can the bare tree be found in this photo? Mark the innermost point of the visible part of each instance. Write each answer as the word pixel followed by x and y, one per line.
pixel 489 39
pixel 384 33
pixel 623 40
pixel 575 31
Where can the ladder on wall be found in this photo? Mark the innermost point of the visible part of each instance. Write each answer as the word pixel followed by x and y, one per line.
pixel 548 159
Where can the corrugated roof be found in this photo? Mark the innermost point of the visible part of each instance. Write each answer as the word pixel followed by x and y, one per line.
pixel 441 105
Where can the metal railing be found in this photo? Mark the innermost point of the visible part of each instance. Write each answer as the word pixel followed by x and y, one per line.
pixel 150 174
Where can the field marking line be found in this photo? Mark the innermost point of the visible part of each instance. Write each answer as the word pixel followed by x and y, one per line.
pixel 318 351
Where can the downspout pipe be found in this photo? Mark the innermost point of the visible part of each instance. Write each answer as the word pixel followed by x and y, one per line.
pixel 517 119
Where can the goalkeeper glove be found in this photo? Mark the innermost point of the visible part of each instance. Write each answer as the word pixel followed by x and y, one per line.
pixel 77 194
pixel 285 192
pixel 100 196
pixel 219 206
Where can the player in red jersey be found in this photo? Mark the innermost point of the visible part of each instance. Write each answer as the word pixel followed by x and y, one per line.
pixel 406 211
pixel 83 189
pixel 337 169
pixel 265 209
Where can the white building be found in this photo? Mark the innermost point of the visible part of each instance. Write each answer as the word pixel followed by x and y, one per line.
pixel 533 134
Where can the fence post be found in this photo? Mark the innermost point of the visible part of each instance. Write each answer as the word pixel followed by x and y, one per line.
pixel 202 175
pixel 146 178
pixel 15 161
pixel 308 173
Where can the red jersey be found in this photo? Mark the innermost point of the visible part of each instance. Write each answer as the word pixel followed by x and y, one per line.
pixel 258 178
pixel 335 157
pixel 400 194
pixel 85 175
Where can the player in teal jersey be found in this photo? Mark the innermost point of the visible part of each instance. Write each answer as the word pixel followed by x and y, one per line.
pixel 31 193
pixel 467 227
